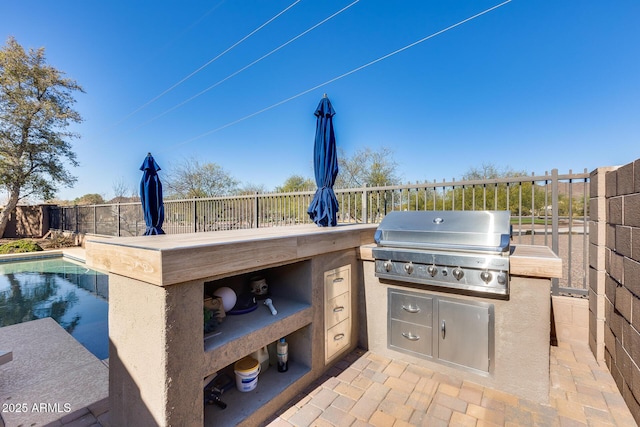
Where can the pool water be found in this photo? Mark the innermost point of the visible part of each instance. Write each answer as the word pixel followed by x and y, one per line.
pixel 72 294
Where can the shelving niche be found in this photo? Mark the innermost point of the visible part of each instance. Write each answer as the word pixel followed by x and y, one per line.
pixel 271 383
pixel 240 335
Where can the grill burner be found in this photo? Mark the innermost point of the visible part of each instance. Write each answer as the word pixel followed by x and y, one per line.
pixel 456 249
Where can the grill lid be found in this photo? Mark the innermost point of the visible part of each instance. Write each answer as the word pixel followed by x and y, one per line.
pixel 487 231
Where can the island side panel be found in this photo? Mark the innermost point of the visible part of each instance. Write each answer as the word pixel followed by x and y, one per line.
pixel 148 326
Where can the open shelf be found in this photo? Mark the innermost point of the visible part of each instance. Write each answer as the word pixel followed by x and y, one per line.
pixel 238 326
pixel 271 383
pixel 242 404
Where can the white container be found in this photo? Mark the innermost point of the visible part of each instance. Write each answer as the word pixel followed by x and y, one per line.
pixel 247 370
pixel 262 356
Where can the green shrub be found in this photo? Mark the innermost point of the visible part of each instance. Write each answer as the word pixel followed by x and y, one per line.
pixel 19 246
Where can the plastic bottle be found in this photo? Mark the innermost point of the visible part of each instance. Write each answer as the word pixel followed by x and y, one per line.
pixel 283 355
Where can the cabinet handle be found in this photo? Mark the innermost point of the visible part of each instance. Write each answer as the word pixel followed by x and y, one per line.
pixel 443 329
pixel 338 279
pixel 410 336
pixel 411 308
pixel 338 309
pixel 338 337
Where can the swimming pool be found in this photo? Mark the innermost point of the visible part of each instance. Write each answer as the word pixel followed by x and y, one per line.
pixel 69 292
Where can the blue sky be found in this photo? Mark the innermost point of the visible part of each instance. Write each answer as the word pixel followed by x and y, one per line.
pixel 531 85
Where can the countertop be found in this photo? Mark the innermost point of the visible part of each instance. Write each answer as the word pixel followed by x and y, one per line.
pixel 175 258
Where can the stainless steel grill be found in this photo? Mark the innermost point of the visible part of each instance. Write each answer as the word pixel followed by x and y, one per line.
pixel 466 250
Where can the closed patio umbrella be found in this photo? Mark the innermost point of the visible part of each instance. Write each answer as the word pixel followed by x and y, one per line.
pixel 324 206
pixel 151 196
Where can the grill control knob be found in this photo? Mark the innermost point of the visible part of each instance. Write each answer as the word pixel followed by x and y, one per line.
pixel 502 278
pixel 432 270
pixel 408 268
pixel 486 276
pixel 458 273
pixel 387 266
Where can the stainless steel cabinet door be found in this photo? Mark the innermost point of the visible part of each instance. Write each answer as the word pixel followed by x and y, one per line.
pixel 463 334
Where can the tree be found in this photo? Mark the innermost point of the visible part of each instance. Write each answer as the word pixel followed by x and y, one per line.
pixel 490 171
pixel 123 192
pixel 297 183
pixel 35 111
pixel 520 197
pixel 89 199
pixel 251 188
pixel 190 178
pixel 367 167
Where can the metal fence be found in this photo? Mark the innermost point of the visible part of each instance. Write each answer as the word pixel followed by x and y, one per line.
pixel 549 209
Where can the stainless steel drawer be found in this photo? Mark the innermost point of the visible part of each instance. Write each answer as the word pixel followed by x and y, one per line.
pixel 409 337
pixel 411 308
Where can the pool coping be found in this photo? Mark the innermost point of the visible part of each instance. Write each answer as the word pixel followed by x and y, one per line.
pixel 74 253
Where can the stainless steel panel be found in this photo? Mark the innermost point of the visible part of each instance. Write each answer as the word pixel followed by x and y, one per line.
pixel 473 230
pixel 410 338
pixel 464 333
pixel 411 308
pixel 453 259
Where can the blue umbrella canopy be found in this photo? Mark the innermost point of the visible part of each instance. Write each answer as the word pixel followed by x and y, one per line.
pixel 324 206
pixel 151 196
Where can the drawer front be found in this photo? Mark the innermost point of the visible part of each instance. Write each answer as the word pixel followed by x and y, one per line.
pixel 337 282
pixel 337 338
pixel 408 337
pixel 411 307
pixel 337 309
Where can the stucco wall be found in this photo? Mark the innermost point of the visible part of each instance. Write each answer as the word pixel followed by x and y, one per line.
pixel 614 298
pixel 28 221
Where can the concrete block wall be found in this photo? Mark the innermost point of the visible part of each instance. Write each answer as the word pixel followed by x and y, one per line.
pixel 614 276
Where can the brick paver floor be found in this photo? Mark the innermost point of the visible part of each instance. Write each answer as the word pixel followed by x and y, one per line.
pixel 365 389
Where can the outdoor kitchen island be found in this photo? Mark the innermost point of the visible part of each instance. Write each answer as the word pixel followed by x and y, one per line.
pixel 158 355
pixel 498 341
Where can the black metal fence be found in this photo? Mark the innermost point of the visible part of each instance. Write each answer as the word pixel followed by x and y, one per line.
pixel 549 209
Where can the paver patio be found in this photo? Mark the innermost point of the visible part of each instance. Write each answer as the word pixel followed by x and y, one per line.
pixel 364 389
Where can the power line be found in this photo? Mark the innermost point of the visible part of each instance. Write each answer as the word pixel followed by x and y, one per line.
pixel 235 73
pixel 193 73
pixel 345 74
